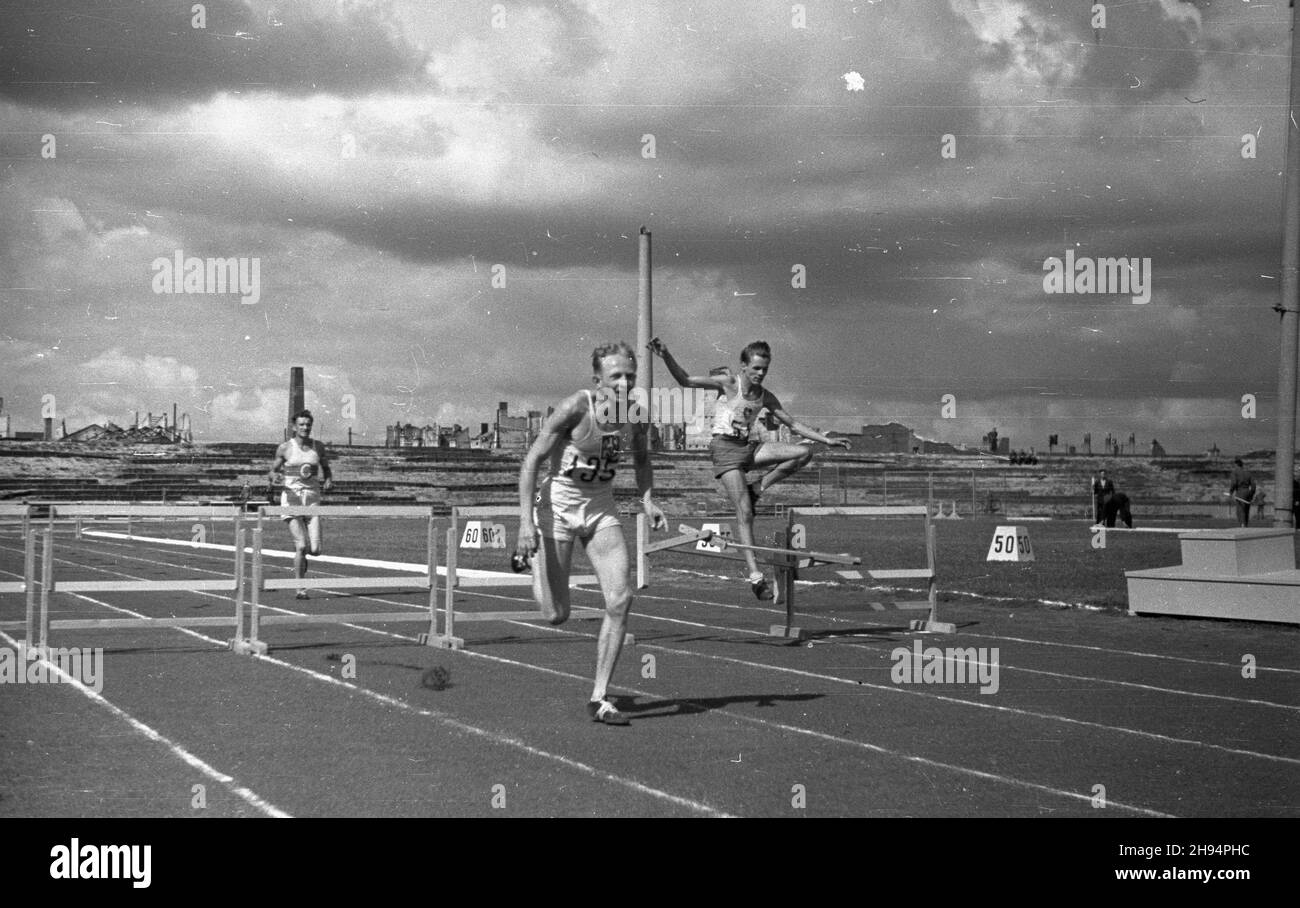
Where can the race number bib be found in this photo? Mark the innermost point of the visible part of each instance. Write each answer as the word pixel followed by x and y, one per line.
pixel 600 469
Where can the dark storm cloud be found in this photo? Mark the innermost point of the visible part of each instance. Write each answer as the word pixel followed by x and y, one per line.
pixel 91 55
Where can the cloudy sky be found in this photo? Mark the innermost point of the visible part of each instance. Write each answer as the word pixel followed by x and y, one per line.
pixel 379 159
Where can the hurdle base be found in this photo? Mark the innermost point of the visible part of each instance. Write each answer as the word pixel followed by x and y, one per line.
pixel 249 647
pixel 932 627
pixel 786 631
pixel 442 641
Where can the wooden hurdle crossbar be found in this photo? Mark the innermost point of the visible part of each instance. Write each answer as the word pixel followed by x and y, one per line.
pixel 457 579
pixel 37 624
pixel 426 579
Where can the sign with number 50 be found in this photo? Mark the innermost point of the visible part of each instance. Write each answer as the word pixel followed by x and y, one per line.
pixel 1010 544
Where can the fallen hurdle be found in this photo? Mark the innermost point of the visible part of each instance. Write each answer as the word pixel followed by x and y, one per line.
pixel 458 578
pixel 38 627
pixel 786 561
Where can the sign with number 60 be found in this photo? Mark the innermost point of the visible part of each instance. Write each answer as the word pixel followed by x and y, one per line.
pixel 480 535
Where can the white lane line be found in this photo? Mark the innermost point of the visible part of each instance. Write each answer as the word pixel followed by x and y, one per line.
pixel 835 739
pixel 509 740
pixel 903 689
pixel 1174 691
pixel 497 737
pixel 1137 653
pixel 875 748
pixel 1070 677
pixel 834 619
pixel 229 782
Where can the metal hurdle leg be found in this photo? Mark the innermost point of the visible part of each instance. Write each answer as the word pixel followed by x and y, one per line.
pixel 931 623
pixel 785 577
pixel 253 646
pixel 239 644
pixel 447 639
pixel 431 637
pixel 47 581
pixel 29 578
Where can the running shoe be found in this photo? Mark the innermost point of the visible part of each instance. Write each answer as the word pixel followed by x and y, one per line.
pixel 762 589
pixel 606 712
pixel 302 594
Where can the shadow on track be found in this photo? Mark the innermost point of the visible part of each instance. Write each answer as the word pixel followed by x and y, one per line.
pixel 663 709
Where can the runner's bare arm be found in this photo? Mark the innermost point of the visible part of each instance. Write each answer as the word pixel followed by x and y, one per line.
pixel 326 475
pixel 778 413
pixel 554 431
pixel 645 477
pixel 710 382
pixel 278 465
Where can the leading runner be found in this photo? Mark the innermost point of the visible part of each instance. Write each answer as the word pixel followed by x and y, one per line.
pixel 582 442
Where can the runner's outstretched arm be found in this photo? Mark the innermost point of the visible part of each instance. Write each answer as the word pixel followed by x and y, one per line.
pixel 680 375
pixel 781 416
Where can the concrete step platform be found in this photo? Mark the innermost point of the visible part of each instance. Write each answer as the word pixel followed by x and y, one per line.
pixel 1244 574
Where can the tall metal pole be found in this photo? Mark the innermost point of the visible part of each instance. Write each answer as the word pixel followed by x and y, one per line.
pixel 1288 306
pixel 644 322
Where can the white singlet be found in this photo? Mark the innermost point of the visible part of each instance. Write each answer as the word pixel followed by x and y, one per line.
pixel 734 417
pixel 295 459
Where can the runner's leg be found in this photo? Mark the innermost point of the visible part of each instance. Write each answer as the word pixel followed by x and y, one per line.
pixel 551 578
pixel 781 459
pixel 607 551
pixel 299 533
pixel 314 533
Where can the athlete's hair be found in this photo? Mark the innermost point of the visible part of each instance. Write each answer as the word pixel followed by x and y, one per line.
pixel 759 348
pixel 617 348
pixel 301 413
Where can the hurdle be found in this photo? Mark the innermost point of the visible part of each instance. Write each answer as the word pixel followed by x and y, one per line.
pixel 39 628
pixel 787 561
pixel 928 624
pixel 425 579
pixel 27 585
pixel 23 513
pixel 458 578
